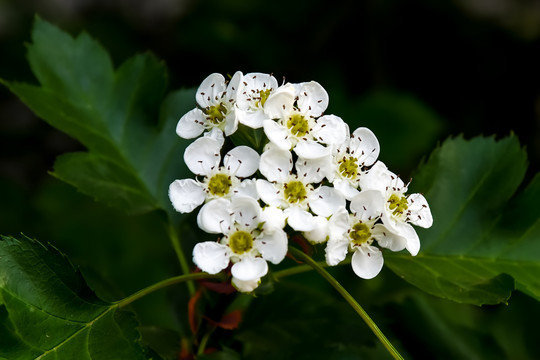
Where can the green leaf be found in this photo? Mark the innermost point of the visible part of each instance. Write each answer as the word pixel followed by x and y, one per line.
pixel 484 243
pixel 406 127
pixel 163 341
pixel 48 312
pixel 463 331
pixel 118 115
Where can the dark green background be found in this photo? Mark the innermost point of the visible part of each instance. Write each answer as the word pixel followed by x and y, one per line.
pixel 475 66
pixel 414 72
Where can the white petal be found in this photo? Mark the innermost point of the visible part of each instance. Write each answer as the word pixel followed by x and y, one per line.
pixel 342 148
pixel 203 155
pixel 345 188
pixel 367 262
pixel 321 232
pixel 246 212
pixel 314 170
pixel 217 135
pixel 309 149
pixel 253 85
pixel 299 219
pixel 210 90
pixel 312 99
pixel 235 84
pixel 247 187
pixel 406 231
pixel 420 212
pixel 249 268
pixel 330 129
pixel 215 216
pixel 231 122
pixel 272 244
pixel 280 104
pixel 268 193
pixel 413 241
pixel 368 205
pixel 211 257
pixel 277 134
pixel 259 82
pixel 274 217
pixel 242 161
pixel 339 224
pixel 364 146
pixel 336 250
pixel 275 164
pixel 325 200
pixel 377 178
pixel 250 110
pixel 387 239
pixel 253 119
pixel 245 286
pixel 191 124
pixel 186 195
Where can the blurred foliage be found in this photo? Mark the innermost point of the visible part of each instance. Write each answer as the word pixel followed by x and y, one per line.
pixel 413 72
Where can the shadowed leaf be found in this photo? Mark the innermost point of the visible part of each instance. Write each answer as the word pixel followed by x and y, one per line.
pixel 48 312
pixel 484 241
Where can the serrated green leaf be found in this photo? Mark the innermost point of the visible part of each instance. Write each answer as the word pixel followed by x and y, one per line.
pixel 407 128
pixel 118 115
pixel 48 312
pixel 483 242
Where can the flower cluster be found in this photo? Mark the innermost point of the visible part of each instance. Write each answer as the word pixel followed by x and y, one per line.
pixel 313 177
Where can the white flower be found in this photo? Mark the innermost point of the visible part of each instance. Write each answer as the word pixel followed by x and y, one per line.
pixel 320 232
pixel 294 194
pixel 350 160
pixel 356 232
pixel 203 158
pixel 245 286
pixel 216 107
pixel 400 210
pixel 257 87
pixel 296 110
pixel 247 241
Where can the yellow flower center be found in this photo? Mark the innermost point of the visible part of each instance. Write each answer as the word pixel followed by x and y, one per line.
pixel 219 185
pixel 240 242
pixel 349 167
pixel 215 114
pixel 397 204
pixel 360 233
pixel 264 94
pixel 298 125
pixel 295 191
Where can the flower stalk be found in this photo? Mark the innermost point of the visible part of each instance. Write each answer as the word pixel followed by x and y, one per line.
pixel 175 242
pixel 348 297
pixel 163 284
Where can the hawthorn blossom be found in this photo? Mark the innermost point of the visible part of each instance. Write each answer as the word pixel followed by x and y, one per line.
pixel 248 242
pixel 298 122
pixel 203 158
pixel 350 159
pixel 399 210
pixel 245 286
pixel 317 178
pixel 257 87
pixel 291 194
pixel 216 107
pixel 358 232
